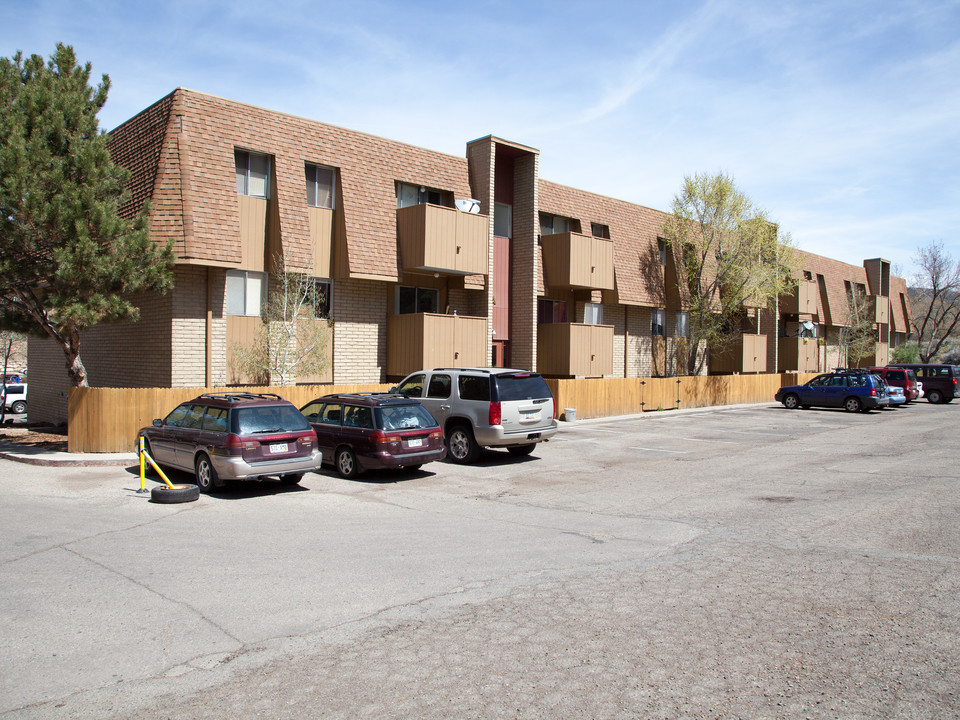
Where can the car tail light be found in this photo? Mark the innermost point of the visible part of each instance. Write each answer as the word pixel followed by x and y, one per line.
pixel 873 392
pixel 554 403
pixel 494 417
pixel 236 443
pixel 379 436
pixel 436 435
pixel 307 440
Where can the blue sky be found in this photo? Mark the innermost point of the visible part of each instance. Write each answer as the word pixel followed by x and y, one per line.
pixel 840 118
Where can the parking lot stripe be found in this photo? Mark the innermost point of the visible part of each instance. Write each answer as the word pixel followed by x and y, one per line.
pixel 675 452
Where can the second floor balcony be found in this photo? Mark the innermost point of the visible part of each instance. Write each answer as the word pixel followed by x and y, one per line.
pixel 802 300
pixel 575 260
pixel 444 240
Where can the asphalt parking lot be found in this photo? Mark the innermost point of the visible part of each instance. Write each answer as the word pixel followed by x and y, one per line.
pixel 732 563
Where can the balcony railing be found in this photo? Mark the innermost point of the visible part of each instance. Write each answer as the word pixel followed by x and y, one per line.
pixel 747 355
pixel 802 300
pixel 575 349
pixel 577 261
pixel 798 354
pixel 442 239
pixel 425 340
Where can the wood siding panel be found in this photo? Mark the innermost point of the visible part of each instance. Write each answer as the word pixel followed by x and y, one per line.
pixel 575 349
pixel 241 331
pixel 578 261
pixel 420 340
pixel 321 240
pixel 253 232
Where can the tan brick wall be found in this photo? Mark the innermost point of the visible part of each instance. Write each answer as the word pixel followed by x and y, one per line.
pixel 525 265
pixel 360 330
pixel 48 382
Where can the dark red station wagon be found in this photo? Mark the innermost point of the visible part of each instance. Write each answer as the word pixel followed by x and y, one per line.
pixel 901 377
pixel 365 431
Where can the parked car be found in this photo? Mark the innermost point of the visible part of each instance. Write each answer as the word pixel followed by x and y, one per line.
pixel 485 407
pixel 14 397
pixel 896 395
pixel 851 390
pixel 939 380
pixel 901 377
pixel 366 431
pixel 234 436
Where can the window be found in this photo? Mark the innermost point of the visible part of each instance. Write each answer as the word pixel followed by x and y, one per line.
pixel 662 249
pixel 319 292
pixel 408 195
pixel 656 328
pixel 683 319
pixel 600 231
pixel 417 300
pixel 321 186
pixel 593 313
pixel 413 387
pixel 246 292
pixel 503 220
pixel 215 420
pixel 554 224
pixel 253 174
pixel 807 275
pixel 473 387
pixel 439 386
pixel 551 311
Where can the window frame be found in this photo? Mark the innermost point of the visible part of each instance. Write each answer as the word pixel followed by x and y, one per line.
pixel 683 324
pixel 592 313
pixel 599 230
pixel 316 168
pixel 657 329
pixel 419 294
pixel 246 276
pixel 247 167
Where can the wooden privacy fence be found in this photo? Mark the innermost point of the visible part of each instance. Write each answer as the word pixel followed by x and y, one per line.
pixel 107 419
pixel 628 396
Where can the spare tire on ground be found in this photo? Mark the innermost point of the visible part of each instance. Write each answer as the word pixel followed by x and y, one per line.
pixel 176 494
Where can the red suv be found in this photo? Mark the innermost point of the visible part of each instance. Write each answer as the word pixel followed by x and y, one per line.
pixel 901 377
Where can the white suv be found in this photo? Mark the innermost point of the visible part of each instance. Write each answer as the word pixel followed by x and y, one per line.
pixel 485 407
pixel 15 397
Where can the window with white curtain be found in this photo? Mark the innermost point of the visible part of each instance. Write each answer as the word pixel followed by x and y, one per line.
pixel 683 324
pixel 592 313
pixel 253 174
pixel 656 328
pixel 246 292
pixel 321 186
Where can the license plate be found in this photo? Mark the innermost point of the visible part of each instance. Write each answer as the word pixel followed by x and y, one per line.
pixel 278 447
pixel 531 415
pixel 416 442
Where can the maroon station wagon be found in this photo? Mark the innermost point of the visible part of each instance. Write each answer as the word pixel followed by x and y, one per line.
pixel 901 377
pixel 366 431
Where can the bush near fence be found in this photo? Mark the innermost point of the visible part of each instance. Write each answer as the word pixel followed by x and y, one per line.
pixel 107 419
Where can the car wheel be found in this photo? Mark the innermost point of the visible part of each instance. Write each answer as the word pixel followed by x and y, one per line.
pixel 19 407
pixel 791 401
pixel 177 494
pixel 462 448
pixel 935 397
pixel 346 463
pixel 852 404
pixel 292 479
pixel 207 478
pixel 521 449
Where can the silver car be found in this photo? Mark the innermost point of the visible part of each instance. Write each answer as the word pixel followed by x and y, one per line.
pixel 485 407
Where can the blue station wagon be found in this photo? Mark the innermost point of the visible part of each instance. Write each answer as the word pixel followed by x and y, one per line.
pixel 852 391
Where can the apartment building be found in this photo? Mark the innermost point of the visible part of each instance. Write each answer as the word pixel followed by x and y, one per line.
pixel 421 259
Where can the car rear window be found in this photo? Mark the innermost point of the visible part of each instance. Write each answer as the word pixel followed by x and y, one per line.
pixel 528 386
pixel 405 417
pixel 269 418
pixel 474 387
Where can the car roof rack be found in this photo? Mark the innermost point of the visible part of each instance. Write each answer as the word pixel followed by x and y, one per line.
pixel 240 395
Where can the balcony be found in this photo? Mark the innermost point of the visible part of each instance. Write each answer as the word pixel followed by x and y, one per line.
pixel 575 349
pixel 878 358
pixel 798 354
pixel 425 340
pixel 747 355
pixel 879 308
pixel 577 261
pixel 443 240
pixel 802 300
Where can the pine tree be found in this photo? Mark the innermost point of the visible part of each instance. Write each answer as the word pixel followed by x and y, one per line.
pixel 68 260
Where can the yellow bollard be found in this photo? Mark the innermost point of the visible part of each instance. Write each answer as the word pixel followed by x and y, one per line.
pixel 144 458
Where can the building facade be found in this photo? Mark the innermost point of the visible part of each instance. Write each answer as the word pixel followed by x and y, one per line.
pixel 421 259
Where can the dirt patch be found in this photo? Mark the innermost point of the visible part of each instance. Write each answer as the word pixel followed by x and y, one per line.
pixel 44 438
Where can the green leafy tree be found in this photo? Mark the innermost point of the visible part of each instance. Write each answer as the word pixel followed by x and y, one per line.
pixel 69 259
pixel 908 352
pixel 730 257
